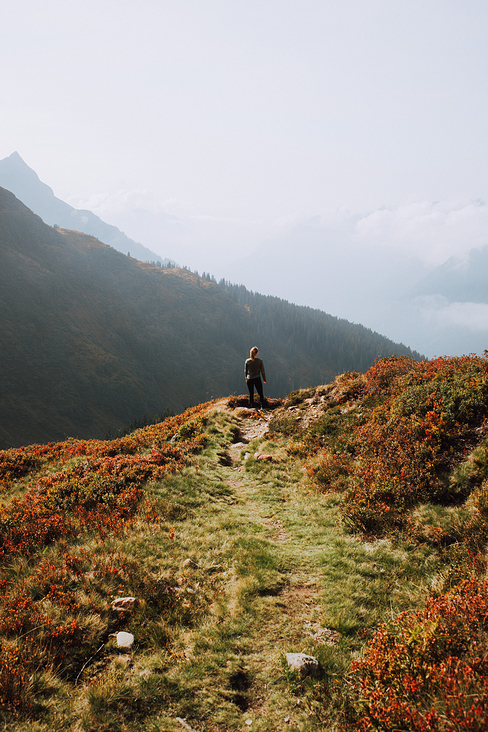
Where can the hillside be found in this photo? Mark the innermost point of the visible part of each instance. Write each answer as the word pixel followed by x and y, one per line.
pixel 92 340
pixel 24 183
pixel 158 581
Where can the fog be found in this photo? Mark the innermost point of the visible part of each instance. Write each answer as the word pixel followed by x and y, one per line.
pixel 329 153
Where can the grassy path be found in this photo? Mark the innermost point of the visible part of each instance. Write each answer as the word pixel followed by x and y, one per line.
pixel 268 534
pixel 285 578
pixel 233 558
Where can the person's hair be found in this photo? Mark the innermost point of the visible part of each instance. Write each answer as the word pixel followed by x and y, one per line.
pixel 254 352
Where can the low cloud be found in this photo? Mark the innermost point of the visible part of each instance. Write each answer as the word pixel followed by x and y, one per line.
pixel 429 231
pixel 123 201
pixel 438 311
pixel 432 231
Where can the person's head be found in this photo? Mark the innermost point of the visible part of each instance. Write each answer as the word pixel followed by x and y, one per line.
pixel 254 352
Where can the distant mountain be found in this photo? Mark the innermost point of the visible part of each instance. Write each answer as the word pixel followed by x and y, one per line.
pixel 438 310
pixel 449 307
pixel 17 177
pixel 459 279
pixel 91 339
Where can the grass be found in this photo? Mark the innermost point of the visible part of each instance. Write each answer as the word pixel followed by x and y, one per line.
pixel 246 562
pixel 270 565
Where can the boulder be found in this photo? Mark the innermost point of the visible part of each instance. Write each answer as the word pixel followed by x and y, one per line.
pixel 263 456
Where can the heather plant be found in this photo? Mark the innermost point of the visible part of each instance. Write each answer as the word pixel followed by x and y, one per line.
pixel 420 425
pixel 406 448
pixel 51 604
pixel 427 671
pixel 36 459
pixel 344 523
pixel 331 471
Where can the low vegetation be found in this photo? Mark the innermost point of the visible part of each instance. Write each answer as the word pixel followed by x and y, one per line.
pixel 349 522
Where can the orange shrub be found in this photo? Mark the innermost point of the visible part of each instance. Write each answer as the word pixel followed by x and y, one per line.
pixel 420 418
pixel 428 671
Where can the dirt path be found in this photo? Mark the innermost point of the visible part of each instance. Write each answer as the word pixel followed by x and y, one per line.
pixel 266 532
pixel 292 580
pixel 287 611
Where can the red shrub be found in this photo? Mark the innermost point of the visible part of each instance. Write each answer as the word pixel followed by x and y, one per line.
pixel 412 436
pixel 429 670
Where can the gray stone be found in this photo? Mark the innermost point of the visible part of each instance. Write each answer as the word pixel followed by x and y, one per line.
pixel 304 665
pixel 121 604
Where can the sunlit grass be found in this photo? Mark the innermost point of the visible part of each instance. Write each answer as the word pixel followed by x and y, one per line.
pixel 234 561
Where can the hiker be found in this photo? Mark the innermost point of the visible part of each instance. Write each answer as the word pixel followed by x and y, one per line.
pixel 253 368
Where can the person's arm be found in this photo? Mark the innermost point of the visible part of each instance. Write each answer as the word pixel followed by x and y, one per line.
pixel 262 371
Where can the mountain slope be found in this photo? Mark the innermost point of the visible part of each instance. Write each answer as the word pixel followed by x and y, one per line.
pixel 92 339
pixel 349 523
pixel 17 177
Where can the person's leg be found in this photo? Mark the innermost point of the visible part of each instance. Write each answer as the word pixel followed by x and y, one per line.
pixel 259 389
pixel 250 387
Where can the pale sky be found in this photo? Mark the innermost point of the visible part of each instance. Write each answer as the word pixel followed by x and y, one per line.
pixel 329 152
pixel 248 110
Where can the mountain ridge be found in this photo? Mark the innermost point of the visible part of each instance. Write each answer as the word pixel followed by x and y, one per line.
pixel 17 177
pixel 459 279
pixel 92 339
pixel 439 310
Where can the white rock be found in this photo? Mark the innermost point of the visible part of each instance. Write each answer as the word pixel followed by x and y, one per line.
pixel 124 640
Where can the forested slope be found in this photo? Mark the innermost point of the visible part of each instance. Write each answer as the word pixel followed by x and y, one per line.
pixel 91 339
pixel 334 342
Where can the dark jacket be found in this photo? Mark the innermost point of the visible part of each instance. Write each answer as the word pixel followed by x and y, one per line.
pixel 253 368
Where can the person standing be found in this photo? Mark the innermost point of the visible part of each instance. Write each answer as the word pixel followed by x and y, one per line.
pixel 253 368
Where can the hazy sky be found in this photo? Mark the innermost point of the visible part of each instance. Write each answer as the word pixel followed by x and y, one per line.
pixel 248 110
